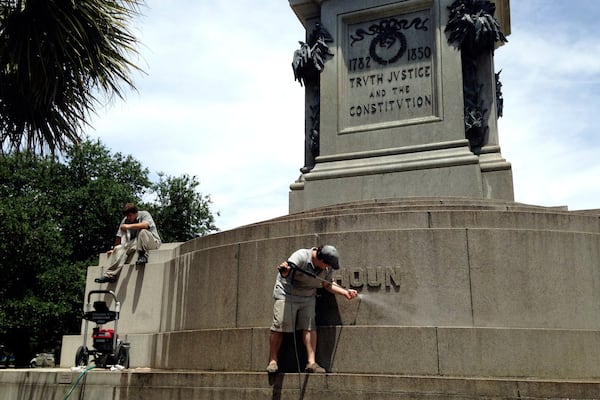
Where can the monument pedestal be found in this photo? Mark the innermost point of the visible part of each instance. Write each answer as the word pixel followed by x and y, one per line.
pixel 449 287
pixel 448 169
pixel 455 293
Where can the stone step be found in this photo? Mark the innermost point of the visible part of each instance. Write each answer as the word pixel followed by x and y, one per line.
pixel 401 215
pixel 425 351
pixel 53 384
pixel 423 202
pixel 166 252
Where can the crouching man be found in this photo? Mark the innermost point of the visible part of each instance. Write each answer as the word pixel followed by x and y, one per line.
pixel 137 233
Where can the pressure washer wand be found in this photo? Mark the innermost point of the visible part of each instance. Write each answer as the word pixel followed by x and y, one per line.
pixel 305 272
pixel 294 267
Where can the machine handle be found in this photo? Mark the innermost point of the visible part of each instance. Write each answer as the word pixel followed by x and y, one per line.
pixel 91 292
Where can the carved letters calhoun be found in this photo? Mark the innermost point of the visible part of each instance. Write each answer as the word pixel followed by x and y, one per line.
pixel 358 277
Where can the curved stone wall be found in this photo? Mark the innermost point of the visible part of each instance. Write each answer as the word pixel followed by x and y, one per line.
pixel 448 287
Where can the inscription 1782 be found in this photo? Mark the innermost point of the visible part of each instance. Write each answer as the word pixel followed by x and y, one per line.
pixel 388 70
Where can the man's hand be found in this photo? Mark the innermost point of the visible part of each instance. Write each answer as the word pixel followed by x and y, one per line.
pixel 284 268
pixel 350 294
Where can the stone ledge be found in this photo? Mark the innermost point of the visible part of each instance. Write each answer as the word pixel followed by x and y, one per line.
pixel 160 385
pixel 166 252
pixel 424 351
pixel 408 213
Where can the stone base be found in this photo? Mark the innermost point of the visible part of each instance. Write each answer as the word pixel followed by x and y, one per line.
pixel 449 287
pixel 53 384
pixel 428 351
pixel 439 170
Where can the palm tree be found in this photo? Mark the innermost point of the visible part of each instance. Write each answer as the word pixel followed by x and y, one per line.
pixel 58 60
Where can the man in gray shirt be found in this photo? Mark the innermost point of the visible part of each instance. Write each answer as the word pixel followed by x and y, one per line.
pixel 137 232
pixel 295 297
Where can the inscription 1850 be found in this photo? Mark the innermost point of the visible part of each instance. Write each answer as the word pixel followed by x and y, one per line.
pixel 389 70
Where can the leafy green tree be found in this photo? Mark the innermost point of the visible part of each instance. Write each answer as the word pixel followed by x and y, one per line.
pixel 99 183
pixel 31 245
pixel 56 216
pixel 58 59
pixel 180 211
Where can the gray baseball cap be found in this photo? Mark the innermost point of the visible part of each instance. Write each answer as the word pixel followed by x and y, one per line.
pixel 330 256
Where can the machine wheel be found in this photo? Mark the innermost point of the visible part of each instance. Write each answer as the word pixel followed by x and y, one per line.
pixel 81 357
pixel 123 356
pixel 33 364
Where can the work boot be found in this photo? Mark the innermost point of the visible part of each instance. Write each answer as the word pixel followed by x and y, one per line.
pixel 142 258
pixel 314 368
pixel 272 368
pixel 105 279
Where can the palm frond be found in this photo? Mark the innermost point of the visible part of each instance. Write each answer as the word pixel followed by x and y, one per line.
pixel 58 59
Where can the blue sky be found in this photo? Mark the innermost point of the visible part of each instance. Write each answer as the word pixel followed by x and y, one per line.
pixel 551 84
pixel 219 101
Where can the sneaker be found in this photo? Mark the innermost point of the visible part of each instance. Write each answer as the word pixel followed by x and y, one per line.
pixel 314 368
pixel 105 279
pixel 142 258
pixel 272 368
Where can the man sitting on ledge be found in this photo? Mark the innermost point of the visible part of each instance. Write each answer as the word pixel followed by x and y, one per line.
pixel 137 232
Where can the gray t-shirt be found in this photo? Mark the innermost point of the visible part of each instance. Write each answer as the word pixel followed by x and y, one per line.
pixel 298 286
pixel 143 216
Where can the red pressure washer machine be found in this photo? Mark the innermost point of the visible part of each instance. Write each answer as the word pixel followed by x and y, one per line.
pixel 108 350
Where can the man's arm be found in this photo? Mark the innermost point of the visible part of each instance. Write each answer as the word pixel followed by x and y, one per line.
pixel 117 242
pixel 136 226
pixel 337 289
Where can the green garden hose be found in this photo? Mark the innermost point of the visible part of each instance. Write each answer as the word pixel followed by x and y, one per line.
pixel 81 375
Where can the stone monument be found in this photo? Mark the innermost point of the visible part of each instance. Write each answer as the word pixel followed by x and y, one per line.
pixel 401 103
pixel 463 292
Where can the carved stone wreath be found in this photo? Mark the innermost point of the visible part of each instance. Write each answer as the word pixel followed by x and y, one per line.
pixel 388 35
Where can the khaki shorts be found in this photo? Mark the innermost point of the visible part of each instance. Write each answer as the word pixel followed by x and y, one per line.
pixel 288 316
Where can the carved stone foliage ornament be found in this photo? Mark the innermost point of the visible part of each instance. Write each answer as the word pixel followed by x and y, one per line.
pixel 499 96
pixel 308 63
pixel 473 28
pixel 310 59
